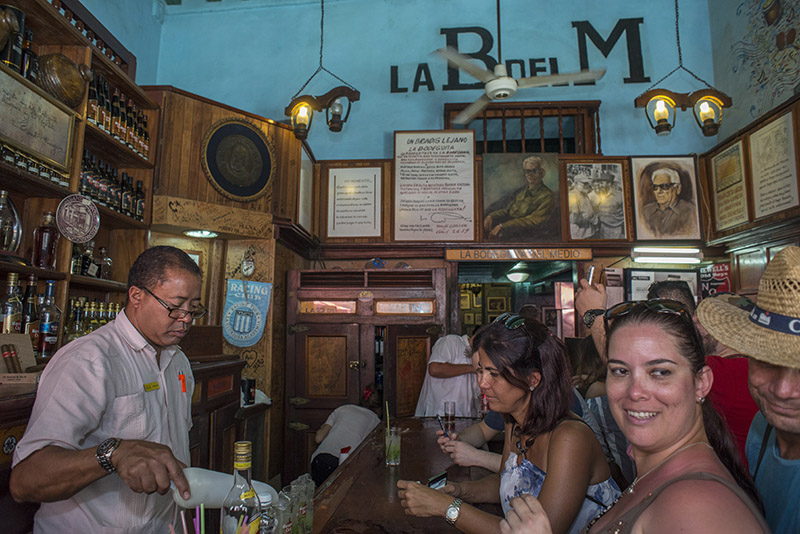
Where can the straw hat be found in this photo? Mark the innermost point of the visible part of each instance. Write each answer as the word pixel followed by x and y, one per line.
pixel 771 331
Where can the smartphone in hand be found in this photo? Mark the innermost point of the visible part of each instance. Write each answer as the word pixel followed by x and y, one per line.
pixel 438 481
pixel 590 276
pixel 441 424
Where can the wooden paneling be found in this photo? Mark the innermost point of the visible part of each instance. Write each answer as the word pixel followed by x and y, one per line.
pixel 326 366
pixel 412 360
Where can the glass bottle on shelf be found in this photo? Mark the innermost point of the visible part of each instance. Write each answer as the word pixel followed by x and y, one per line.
pixel 115 111
pixel 49 321
pixel 127 201
pixel 29 324
pixel 11 55
pixel 6 223
pixel 88 267
pixel 140 132
pixel 102 313
pixel 104 264
pixel 130 122
pixel 45 243
pixel 114 191
pixel 139 199
pixel 241 504
pixel 91 321
pixel 29 66
pixel 85 187
pixel 11 306
pixel 93 102
pixel 76 328
pixel 146 140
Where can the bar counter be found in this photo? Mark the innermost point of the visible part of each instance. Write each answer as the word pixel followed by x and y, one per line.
pixel 361 495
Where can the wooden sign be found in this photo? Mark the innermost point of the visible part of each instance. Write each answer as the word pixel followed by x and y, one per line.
pixel 195 215
pixel 520 254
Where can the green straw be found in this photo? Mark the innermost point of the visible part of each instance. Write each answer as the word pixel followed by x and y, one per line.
pixel 387 418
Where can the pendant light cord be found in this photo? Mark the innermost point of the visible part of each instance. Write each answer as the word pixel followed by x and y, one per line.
pixel 321 45
pixel 499 43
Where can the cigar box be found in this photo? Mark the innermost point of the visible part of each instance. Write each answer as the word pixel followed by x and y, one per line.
pixel 18 383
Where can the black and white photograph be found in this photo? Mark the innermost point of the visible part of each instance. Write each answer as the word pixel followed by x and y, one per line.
pixel 596 200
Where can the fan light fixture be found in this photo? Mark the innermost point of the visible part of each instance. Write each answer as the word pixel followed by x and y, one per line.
pixel 660 104
pixel 335 102
pixel 677 255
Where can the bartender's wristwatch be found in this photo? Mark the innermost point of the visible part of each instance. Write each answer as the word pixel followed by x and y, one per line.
pixel 453 510
pixel 591 315
pixel 104 452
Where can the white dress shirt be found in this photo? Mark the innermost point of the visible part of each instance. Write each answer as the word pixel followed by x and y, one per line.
pixel 108 384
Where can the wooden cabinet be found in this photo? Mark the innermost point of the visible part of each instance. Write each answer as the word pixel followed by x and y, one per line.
pixel 124 237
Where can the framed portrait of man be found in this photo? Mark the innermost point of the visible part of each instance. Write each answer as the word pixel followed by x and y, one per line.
pixel 597 189
pixel 665 196
pixel 521 198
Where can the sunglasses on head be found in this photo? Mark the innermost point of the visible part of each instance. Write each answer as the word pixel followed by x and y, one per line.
pixel 511 321
pixel 669 306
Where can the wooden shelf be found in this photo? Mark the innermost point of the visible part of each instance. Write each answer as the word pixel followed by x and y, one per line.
pixel 105 146
pixel 7 266
pixel 15 180
pixel 116 220
pixel 41 92
pixel 77 280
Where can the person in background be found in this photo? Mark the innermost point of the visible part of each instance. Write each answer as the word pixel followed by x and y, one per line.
pixel 690 478
pixel 548 451
pixel 346 426
pixel 110 426
pixel 589 374
pixel 450 376
pixel 770 335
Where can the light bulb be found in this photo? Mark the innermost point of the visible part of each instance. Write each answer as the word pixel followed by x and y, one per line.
pixel 661 113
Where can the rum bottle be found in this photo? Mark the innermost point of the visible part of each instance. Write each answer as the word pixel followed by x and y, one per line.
pixel 11 306
pixel 45 243
pixel 241 509
pixel 127 205
pixel 115 115
pixel 29 324
pixel 29 67
pixel 49 321
pixel 76 328
pixel 104 264
pixel 6 223
pixel 139 199
pixel 93 103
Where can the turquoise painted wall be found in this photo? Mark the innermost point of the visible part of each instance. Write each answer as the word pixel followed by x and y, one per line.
pixel 756 58
pixel 137 25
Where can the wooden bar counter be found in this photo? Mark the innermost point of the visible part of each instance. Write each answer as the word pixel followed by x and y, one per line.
pixel 361 495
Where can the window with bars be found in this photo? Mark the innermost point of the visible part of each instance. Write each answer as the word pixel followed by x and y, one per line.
pixel 568 127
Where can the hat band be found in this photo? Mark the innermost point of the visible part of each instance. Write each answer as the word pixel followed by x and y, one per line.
pixel 775 321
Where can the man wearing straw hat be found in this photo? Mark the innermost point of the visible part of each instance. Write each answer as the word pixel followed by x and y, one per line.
pixel 770 336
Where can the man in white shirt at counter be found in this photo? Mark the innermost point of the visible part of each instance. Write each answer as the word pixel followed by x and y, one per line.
pixel 110 425
pixel 450 377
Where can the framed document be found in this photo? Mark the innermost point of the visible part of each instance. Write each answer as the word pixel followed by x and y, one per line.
pixel 729 191
pixel 665 195
pixel 434 185
pixel 774 168
pixel 354 202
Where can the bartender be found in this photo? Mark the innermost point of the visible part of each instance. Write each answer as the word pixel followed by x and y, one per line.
pixel 110 426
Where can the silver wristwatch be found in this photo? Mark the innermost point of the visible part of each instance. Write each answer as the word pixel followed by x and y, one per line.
pixel 104 452
pixel 453 510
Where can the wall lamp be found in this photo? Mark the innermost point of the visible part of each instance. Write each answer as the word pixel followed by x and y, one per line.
pixel 518 273
pixel 678 255
pixel 336 103
pixel 660 106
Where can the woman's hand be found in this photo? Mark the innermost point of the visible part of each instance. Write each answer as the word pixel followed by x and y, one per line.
pixel 526 516
pixel 460 452
pixel 442 440
pixel 421 501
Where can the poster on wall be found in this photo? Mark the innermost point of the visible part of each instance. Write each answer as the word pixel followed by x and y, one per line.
pixel 774 168
pixel 730 193
pixel 434 185
pixel 245 311
pixel 521 198
pixel 715 278
pixel 354 202
pixel 665 193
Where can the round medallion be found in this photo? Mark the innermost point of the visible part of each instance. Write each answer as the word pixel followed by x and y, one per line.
pixel 78 218
pixel 238 159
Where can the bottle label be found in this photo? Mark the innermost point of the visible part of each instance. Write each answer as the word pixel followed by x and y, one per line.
pixel 92 113
pixel 241 466
pixel 50 327
pixel 249 494
pixel 92 270
pixel 12 323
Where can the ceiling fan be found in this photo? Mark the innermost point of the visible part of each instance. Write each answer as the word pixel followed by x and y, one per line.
pixel 498 85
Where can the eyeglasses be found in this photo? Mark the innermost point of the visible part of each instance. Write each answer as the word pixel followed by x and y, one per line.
pixel 663 187
pixel 179 313
pixel 533 171
pixel 672 307
pixel 510 320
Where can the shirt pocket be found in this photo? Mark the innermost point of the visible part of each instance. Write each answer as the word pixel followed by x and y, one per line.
pixel 129 417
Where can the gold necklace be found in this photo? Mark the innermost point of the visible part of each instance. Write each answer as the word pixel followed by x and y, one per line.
pixel 630 489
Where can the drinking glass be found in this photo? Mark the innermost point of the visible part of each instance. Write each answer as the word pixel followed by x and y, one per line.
pixel 393 446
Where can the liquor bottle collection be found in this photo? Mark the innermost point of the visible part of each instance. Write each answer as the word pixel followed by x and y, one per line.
pixel 118 116
pixel 107 186
pixel 85 263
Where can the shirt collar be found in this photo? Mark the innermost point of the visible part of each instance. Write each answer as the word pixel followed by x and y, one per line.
pixel 135 339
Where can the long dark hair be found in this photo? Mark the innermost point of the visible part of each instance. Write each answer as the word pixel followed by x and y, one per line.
pixel 518 353
pixel 689 344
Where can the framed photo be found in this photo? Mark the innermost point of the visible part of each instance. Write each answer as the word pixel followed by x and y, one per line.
pixel 551 318
pixel 469 318
pixel 729 191
pixel 665 196
pixel 478 319
pixel 464 300
pixel 521 198
pixel 196 256
pixel 496 305
pixel 477 300
pixel 596 197
pixel 354 202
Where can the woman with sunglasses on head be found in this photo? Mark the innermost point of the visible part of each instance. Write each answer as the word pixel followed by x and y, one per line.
pixel 690 477
pixel 549 452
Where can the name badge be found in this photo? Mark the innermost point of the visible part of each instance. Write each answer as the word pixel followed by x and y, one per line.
pixel 152 386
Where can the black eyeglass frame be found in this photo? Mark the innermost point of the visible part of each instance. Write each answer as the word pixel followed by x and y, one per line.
pixel 197 313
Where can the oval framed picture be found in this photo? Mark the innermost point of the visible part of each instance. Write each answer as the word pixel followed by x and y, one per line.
pixel 238 159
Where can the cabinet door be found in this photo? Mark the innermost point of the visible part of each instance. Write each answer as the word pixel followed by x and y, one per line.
pixel 223 436
pixel 322 374
pixel 408 348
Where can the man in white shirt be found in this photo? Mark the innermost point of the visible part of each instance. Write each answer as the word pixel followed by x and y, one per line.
pixel 450 377
pixel 110 425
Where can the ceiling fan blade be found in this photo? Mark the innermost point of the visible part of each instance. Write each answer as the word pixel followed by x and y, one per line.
pixel 553 79
pixel 466 64
pixel 468 113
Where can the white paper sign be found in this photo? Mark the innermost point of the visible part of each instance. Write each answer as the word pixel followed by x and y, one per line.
pixel 354 202
pixel 774 168
pixel 434 186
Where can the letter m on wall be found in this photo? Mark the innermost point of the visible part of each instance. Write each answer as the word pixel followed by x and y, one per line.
pixel 633 41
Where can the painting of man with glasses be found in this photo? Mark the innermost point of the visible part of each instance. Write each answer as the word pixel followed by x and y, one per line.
pixel 666 198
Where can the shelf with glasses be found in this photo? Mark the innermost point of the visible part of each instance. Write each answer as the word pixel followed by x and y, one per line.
pixel 99 142
pixel 115 220
pixel 78 280
pixel 15 180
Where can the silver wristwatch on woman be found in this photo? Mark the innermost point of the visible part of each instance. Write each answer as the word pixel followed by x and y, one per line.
pixel 104 452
